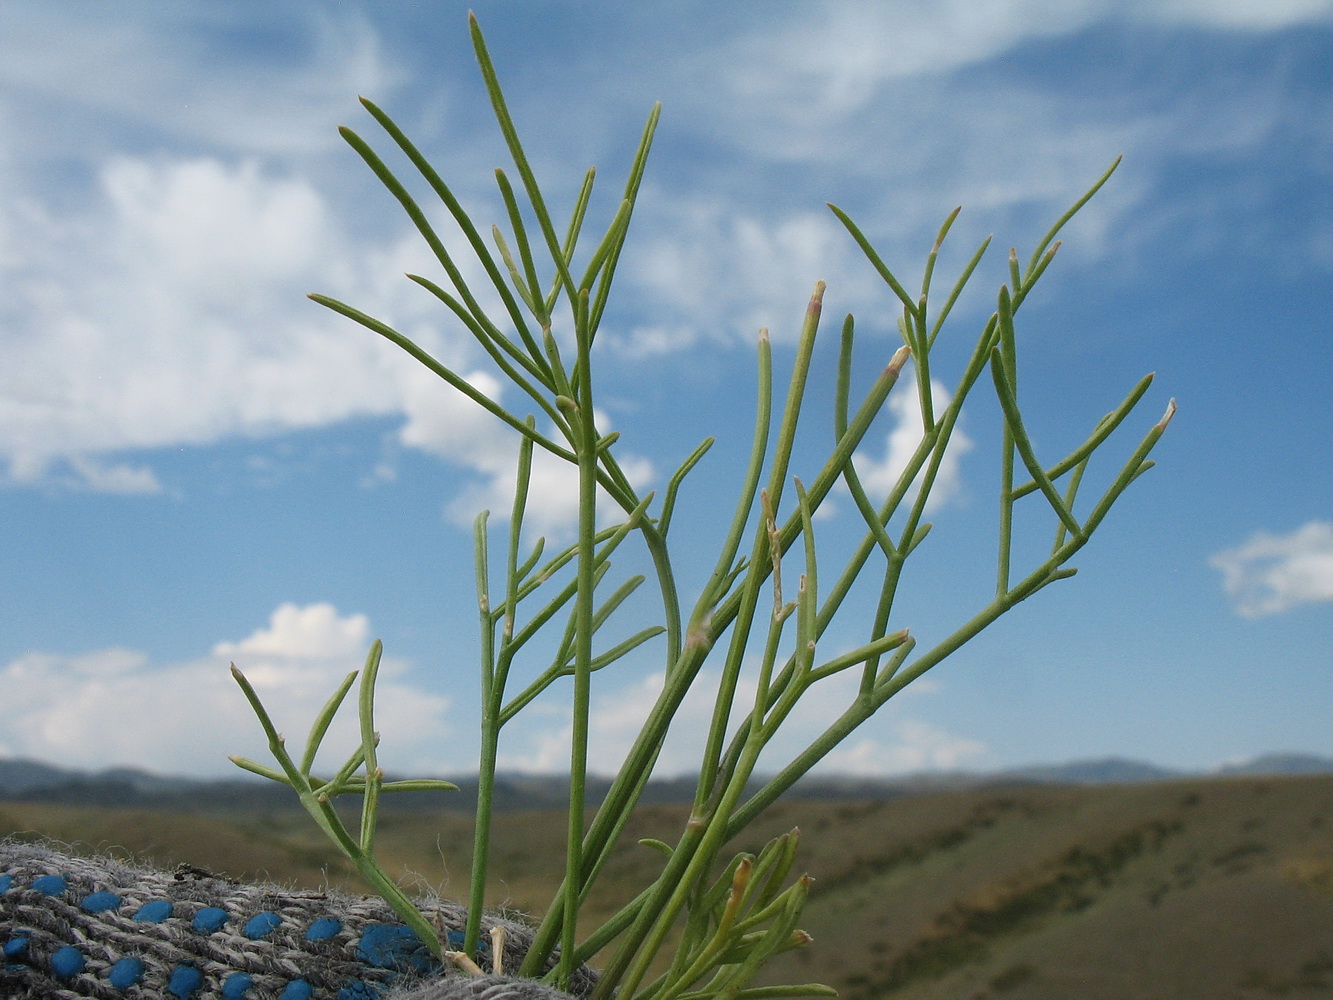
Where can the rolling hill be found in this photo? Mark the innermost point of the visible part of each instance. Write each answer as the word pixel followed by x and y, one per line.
pixel 1218 887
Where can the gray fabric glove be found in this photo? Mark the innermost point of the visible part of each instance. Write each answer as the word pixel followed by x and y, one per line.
pixel 73 927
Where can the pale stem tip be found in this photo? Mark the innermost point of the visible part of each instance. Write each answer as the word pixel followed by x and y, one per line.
pixel 763 335
pixel 498 951
pixel 899 359
pixel 1166 417
pixel 741 879
pixel 466 964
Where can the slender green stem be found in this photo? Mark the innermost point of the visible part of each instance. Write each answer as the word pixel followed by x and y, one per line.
pixel 490 737
pixel 583 611
pixel 510 133
pixel 527 284
pixel 323 720
pixel 369 743
pixel 632 185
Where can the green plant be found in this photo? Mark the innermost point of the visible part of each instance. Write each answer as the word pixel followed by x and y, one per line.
pixel 730 917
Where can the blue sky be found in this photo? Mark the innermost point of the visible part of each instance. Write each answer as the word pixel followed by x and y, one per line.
pixel 199 465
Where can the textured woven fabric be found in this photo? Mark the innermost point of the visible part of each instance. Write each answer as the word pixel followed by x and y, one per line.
pixel 74 927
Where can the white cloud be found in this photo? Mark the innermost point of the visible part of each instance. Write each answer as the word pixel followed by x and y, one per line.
pixel 716 270
pixel 1272 574
pixel 157 242
pixel 311 632
pixel 206 225
pixel 182 319
pixel 173 312
pixel 116 707
pixel 880 475
pixel 121 478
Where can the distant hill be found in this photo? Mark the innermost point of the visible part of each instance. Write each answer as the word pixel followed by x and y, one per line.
pixel 1216 888
pixel 1281 763
pixel 1111 770
pixel 33 781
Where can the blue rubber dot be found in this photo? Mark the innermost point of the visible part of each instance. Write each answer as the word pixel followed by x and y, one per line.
pixel 49 885
pixel 5 882
pixel 209 919
pixel 125 973
pixel 99 902
pixel 185 981
pixel 16 947
pixel 297 989
pixel 235 986
pixel 456 939
pixel 261 925
pixel 153 913
pixel 390 946
pixel 66 962
pixel 323 929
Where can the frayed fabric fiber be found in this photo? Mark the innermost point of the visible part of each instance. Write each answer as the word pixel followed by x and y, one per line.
pixel 73 927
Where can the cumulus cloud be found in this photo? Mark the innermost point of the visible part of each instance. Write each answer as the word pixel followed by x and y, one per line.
pixel 155 288
pixel 184 321
pixel 718 271
pixel 315 631
pixel 117 707
pixel 1272 574
pixel 174 313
